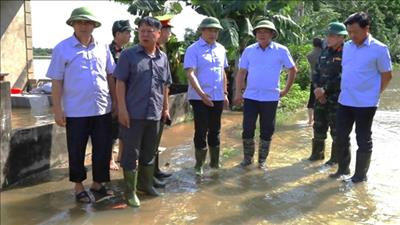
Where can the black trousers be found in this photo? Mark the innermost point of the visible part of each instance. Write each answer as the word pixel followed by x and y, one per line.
pixel 267 112
pixel 139 143
pixel 207 123
pixel 311 98
pixel 79 129
pixel 362 117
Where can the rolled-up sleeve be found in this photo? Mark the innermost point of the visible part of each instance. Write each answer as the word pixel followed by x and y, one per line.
pixel 226 65
pixel 190 60
pixel 121 71
pixel 287 59
pixel 384 61
pixel 244 61
pixel 57 65
pixel 110 64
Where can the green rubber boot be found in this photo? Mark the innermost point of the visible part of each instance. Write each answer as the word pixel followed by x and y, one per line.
pixel 200 155
pixel 263 152
pixel 248 152
pixel 145 182
pixel 130 178
pixel 318 148
pixel 214 157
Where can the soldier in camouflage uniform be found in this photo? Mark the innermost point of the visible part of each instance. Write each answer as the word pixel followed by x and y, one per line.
pixel 121 31
pixel 326 82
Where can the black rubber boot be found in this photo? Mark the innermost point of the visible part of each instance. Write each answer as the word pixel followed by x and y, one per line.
pixel 318 148
pixel 214 157
pixel 248 152
pixel 333 159
pixel 263 153
pixel 200 156
pixel 343 157
pixel 362 166
pixel 157 171
pixel 157 183
pixel 130 178
pixel 145 180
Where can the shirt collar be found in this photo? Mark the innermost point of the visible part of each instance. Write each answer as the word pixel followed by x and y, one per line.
pixel 271 45
pixel 75 42
pixel 141 49
pixel 114 46
pixel 367 41
pixel 202 42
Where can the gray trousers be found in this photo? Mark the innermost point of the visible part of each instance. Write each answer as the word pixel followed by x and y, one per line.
pixel 139 143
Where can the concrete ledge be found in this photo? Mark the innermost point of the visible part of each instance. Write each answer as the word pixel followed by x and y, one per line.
pixel 38 148
pixel 30 100
pixel 33 150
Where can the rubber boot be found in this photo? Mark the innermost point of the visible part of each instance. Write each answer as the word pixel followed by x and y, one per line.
pixel 318 148
pixel 145 180
pixel 214 157
pixel 248 152
pixel 130 178
pixel 263 153
pixel 200 155
pixel 343 157
pixel 333 159
pixel 157 183
pixel 362 166
pixel 157 171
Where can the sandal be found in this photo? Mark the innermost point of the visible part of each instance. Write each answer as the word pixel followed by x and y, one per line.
pixel 83 197
pixel 102 193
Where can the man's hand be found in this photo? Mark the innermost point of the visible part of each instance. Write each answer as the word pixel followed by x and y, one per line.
pixel 59 117
pixel 226 102
pixel 165 116
pixel 114 110
pixel 206 100
pixel 283 93
pixel 123 118
pixel 238 100
pixel 322 99
pixel 319 92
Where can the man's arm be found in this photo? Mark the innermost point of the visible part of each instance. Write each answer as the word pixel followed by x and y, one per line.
pixel 123 116
pixel 195 84
pixel 385 79
pixel 240 77
pixel 56 93
pixel 112 88
pixel 289 82
pixel 165 110
pixel 226 100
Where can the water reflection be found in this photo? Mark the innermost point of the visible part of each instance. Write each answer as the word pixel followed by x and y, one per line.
pixel 292 190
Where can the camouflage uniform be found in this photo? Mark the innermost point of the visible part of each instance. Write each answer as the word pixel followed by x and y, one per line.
pixel 327 76
pixel 115 51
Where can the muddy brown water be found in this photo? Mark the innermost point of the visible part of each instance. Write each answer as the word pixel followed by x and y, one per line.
pixel 291 191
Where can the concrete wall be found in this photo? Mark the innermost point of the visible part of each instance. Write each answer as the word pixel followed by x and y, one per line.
pixel 16 42
pixel 30 150
pixel 5 126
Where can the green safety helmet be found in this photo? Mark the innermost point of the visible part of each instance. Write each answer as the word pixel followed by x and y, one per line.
pixel 337 28
pixel 267 25
pixel 210 22
pixel 83 13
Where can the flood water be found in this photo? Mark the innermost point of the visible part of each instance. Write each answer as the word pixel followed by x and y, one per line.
pixel 292 190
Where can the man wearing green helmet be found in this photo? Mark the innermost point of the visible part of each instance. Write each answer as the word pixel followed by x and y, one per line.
pixel 80 70
pixel 326 82
pixel 204 63
pixel 262 63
